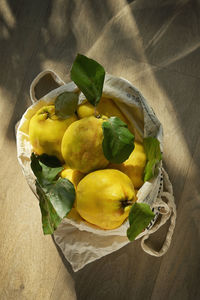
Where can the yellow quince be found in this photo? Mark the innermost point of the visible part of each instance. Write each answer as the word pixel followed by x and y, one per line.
pixel 75 177
pixel 134 166
pixel 72 175
pixel 82 145
pixel 105 107
pixel 46 131
pixel 104 198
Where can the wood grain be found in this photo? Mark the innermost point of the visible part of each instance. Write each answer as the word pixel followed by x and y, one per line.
pixel 155 45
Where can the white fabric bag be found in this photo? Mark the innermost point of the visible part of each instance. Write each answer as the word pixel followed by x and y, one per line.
pixel 80 242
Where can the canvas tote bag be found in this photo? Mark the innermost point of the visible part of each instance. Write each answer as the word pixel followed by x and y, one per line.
pixel 80 242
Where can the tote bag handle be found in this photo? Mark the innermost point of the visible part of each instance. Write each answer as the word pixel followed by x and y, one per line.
pixel 167 211
pixel 43 83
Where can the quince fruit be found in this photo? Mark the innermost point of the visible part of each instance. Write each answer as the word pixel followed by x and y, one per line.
pixel 106 107
pixel 82 145
pixel 72 175
pixel 75 177
pixel 46 131
pixel 134 166
pixel 104 198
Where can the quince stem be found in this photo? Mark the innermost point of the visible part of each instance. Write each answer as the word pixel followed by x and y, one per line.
pixel 96 114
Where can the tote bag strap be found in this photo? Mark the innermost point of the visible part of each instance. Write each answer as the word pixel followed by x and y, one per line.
pixel 46 81
pixel 167 211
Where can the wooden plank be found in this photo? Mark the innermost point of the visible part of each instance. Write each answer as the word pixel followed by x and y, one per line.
pixel 155 45
pixel 30 264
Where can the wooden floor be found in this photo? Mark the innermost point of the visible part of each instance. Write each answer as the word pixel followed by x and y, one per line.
pixel 154 44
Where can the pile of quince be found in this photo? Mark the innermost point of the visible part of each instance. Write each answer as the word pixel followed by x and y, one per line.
pixel 101 166
pixel 105 192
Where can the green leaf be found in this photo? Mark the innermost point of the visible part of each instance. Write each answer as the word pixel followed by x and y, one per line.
pixel 50 219
pixel 139 218
pixel 149 171
pixel 61 195
pixel 56 196
pixel 36 167
pixel 49 160
pixel 44 174
pixel 153 153
pixel 118 141
pixel 89 77
pixel 66 104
